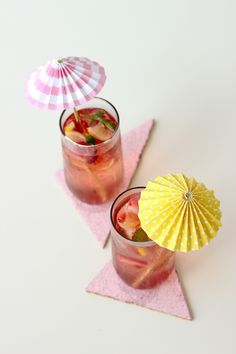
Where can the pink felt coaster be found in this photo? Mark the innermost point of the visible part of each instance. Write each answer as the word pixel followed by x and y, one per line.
pixel 168 297
pixel 133 143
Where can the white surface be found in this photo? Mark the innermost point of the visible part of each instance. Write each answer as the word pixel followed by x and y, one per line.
pixel 170 60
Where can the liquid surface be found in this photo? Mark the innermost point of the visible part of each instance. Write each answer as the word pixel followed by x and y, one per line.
pixel 96 126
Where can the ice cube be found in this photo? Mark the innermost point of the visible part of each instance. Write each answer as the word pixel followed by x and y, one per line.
pixel 100 132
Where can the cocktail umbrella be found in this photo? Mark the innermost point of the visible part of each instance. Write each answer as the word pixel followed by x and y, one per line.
pixel 65 83
pixel 179 214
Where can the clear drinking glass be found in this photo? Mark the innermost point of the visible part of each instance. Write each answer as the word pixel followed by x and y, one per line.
pixel 93 173
pixel 139 264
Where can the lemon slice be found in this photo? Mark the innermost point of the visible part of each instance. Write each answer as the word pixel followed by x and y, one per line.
pixel 69 127
pixel 100 132
pixel 75 136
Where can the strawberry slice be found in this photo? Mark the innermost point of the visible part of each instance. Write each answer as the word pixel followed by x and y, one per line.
pixel 75 136
pixel 99 132
pixel 133 204
pixel 121 215
pixel 127 219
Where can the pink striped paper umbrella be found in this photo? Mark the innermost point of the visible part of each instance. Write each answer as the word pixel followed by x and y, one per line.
pixel 65 83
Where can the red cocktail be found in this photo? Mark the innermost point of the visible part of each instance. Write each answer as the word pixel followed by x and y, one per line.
pixel 139 261
pixel 93 164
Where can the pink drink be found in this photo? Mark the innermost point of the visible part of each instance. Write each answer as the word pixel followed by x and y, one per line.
pixel 139 261
pixel 93 164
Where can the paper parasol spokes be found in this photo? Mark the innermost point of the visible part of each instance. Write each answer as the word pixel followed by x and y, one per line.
pixel 179 213
pixel 65 83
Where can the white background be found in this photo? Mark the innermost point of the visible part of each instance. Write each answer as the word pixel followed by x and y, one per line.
pixel 174 61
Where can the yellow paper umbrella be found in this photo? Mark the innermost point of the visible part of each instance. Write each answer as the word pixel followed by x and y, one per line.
pixel 179 213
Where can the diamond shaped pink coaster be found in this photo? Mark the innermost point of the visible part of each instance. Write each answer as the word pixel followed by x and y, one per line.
pixel 167 297
pixel 133 144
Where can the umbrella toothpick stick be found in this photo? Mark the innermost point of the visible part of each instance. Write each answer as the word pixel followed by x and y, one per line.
pixel 154 265
pixel 77 118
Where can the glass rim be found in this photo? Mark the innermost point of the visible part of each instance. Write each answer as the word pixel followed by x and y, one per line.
pixel 91 146
pixel 130 242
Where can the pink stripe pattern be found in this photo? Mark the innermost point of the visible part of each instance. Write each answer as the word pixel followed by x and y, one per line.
pixel 65 83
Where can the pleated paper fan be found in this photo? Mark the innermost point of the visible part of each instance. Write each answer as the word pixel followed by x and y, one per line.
pixel 179 213
pixel 65 83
